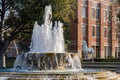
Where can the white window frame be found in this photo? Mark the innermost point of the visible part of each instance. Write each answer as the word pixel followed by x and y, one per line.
pixel 84 33
pixel 97 33
pixel 84 12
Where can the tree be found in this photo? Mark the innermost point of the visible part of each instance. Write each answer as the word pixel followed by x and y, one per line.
pixel 23 14
pixel 3 9
pixel 118 15
pixel 34 11
pixel 116 9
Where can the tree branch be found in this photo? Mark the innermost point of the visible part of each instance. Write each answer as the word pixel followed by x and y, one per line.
pixel 0 11
pixel 1 3
pixel 5 29
pixel 61 5
pixel 14 33
pixel 7 8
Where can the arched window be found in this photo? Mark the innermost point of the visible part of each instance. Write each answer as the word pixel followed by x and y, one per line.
pixel 93 31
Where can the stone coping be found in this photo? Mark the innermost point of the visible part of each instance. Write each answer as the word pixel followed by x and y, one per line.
pixel 51 53
pixel 78 71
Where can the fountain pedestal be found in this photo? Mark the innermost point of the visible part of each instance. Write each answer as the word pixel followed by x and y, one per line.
pixel 47 61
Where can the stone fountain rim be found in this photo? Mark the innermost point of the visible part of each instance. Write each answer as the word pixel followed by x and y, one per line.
pixel 51 72
pixel 52 53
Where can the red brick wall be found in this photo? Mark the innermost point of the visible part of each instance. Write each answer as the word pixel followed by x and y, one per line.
pixel 76 28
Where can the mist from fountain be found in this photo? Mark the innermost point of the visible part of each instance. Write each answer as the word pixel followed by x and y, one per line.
pixel 46 38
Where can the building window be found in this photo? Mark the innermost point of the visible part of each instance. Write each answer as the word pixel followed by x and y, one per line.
pixel 97 51
pixel 97 31
pixel 109 13
pixel 84 32
pixel 93 13
pixel 113 0
pixel 84 9
pixel 105 32
pixel 93 31
pixel 93 46
pixel 109 17
pixel 109 34
pixel 107 50
pixel 98 14
pixel 116 34
pixel 105 15
pixel 118 51
pixel 84 2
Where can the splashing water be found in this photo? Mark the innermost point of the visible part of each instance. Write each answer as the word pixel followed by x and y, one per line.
pixel 46 38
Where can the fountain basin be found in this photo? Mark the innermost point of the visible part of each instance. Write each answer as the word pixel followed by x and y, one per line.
pixel 85 74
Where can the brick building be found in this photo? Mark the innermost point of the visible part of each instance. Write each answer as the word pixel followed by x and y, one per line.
pixel 94 23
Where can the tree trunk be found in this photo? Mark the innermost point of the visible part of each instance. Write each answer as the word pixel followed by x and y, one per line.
pixel 3 9
pixel 2 56
pixel 1 48
pixel 2 60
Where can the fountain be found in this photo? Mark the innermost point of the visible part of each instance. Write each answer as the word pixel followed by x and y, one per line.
pixel 47 59
pixel 47 48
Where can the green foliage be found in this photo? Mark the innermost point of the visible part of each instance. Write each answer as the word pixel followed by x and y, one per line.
pixel 118 16
pixel 108 60
pixel 104 60
pixel 34 9
pixel 118 1
pixel 25 12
